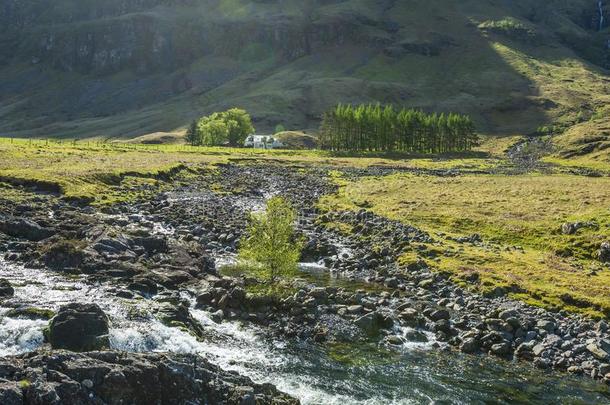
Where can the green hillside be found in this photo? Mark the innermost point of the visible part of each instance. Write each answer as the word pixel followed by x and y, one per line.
pixel 127 68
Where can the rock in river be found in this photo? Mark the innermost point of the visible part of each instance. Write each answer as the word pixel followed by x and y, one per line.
pixel 6 289
pixel 79 327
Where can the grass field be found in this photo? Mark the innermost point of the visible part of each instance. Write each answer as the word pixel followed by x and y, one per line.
pixel 519 219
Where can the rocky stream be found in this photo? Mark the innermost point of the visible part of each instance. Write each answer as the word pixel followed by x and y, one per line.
pixel 133 303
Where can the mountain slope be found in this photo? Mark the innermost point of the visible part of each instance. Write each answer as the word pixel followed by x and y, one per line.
pixel 124 68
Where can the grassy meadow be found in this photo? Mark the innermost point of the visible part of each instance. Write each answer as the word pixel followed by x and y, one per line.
pixel 519 218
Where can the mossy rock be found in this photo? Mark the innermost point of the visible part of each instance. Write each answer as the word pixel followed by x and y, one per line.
pixel 30 313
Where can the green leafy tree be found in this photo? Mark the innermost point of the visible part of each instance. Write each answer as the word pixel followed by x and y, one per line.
pixel 271 242
pixel 212 132
pixel 239 125
pixel 232 127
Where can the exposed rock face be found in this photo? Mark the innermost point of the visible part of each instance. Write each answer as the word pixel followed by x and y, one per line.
pixel 79 327
pixel 120 378
pixel 134 35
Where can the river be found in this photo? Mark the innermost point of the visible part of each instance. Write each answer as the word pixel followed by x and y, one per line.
pixel 416 373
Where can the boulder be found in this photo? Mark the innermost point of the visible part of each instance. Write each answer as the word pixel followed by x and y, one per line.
pixel 604 252
pixel 501 349
pixel 598 351
pixel 470 345
pixel 439 314
pixel 25 229
pixel 413 335
pixel 79 327
pixel 6 289
pixel 570 228
pixel 372 322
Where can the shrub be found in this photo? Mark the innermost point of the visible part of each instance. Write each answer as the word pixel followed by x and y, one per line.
pixel 271 244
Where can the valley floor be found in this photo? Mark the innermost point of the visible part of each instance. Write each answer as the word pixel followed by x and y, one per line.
pixel 462 254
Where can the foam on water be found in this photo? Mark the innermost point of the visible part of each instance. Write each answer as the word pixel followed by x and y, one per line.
pixel 19 336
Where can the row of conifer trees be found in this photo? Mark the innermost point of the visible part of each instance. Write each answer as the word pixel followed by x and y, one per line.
pixel 384 128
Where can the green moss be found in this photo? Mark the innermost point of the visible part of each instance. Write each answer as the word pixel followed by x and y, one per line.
pixel 31 313
pixel 24 384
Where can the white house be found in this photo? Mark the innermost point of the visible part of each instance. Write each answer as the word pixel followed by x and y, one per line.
pixel 262 142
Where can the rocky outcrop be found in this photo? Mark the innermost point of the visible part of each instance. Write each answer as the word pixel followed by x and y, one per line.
pixel 79 327
pixel 25 229
pixel 123 378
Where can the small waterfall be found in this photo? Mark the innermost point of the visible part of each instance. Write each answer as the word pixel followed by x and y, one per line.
pixel 600 6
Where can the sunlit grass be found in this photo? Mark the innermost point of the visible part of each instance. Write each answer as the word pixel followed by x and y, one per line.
pixel 519 218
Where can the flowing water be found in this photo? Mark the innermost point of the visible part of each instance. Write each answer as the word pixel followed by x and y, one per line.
pixel 414 373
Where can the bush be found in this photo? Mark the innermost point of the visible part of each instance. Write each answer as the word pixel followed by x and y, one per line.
pixel 271 244
pixel 279 128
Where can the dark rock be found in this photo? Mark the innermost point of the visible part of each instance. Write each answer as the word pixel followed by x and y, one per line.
pixel 416 336
pixel 548 326
pixel 6 289
pixel 372 322
pixel 394 340
pixel 153 244
pixel 11 393
pixel 442 325
pixel 175 313
pixel 30 313
pixel 604 252
pixel 438 315
pixel 144 286
pixel 79 327
pixel 25 229
pixel 127 378
pixel 501 349
pixel 525 351
pixel 470 345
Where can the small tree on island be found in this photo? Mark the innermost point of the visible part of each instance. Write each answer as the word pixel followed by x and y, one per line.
pixel 271 243
pixel 231 126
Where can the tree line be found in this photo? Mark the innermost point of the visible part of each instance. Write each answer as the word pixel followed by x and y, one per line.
pixel 385 128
